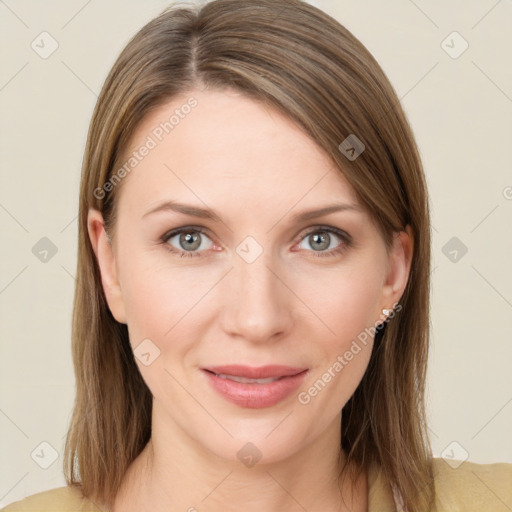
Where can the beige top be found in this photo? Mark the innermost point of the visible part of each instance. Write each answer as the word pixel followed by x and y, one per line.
pixel 470 487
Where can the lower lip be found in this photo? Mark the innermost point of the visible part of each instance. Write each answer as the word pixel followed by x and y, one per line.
pixel 255 396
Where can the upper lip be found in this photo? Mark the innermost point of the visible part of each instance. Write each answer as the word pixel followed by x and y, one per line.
pixel 255 372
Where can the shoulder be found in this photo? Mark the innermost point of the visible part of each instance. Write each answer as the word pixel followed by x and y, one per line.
pixel 60 499
pixel 466 486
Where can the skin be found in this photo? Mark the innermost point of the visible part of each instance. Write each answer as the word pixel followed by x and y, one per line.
pixel 257 169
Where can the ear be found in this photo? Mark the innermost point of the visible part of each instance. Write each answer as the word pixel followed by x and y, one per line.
pixel 107 264
pixel 399 267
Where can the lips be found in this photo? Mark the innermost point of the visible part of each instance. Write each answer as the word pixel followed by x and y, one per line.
pixel 249 372
pixel 253 387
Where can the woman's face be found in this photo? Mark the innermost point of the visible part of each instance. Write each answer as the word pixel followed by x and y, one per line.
pixel 252 280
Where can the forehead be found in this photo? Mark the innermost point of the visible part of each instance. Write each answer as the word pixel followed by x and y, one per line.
pixel 221 144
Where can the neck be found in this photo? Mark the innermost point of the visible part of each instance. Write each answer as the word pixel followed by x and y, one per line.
pixel 176 472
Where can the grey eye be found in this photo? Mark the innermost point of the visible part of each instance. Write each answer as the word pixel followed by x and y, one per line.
pixel 189 241
pixel 319 240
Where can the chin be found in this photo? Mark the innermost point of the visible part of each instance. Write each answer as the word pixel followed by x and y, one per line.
pixel 259 441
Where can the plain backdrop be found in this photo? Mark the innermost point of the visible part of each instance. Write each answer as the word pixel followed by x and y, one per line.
pixel 459 103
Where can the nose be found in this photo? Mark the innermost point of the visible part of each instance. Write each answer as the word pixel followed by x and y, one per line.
pixel 258 306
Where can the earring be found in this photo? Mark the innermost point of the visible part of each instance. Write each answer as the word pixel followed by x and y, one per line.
pixel 386 312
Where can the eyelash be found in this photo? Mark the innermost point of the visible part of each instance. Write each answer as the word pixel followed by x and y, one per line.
pixel 344 245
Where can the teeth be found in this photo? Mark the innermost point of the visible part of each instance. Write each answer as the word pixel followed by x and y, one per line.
pixel 245 380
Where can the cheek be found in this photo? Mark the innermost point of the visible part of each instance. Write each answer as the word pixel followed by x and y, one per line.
pixel 151 301
pixel 156 313
pixel 153 293
pixel 346 300
pixel 167 305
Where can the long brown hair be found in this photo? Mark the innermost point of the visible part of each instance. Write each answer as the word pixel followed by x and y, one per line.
pixel 295 58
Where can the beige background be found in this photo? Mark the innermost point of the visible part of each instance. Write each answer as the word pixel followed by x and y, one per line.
pixel 460 110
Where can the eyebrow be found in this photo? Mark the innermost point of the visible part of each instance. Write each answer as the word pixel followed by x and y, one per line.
pixel 207 213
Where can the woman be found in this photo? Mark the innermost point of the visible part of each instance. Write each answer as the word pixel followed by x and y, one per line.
pixel 251 317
